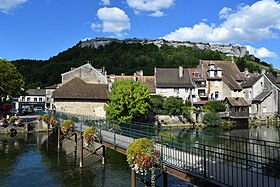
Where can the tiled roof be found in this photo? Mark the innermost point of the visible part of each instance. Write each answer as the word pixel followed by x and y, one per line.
pixel 149 81
pixel 36 92
pixel 248 82
pixel 236 101
pixel 262 96
pixel 52 86
pixel 231 75
pixel 78 89
pixel 273 79
pixel 169 78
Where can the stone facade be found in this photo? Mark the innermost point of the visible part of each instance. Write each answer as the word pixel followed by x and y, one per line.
pixel 82 107
pixel 86 73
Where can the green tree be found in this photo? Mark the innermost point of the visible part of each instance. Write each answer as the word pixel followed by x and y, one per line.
pixel 156 103
pixel 212 119
pixel 215 106
pixel 128 99
pixel 172 106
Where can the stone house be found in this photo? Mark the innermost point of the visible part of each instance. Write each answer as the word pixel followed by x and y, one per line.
pixel 223 79
pixel 78 97
pixel 87 73
pixel 174 82
pixel 262 92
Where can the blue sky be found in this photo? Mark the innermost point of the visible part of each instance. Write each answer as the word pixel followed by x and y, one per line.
pixel 40 29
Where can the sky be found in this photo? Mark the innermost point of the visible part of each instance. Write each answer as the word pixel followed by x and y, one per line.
pixel 40 29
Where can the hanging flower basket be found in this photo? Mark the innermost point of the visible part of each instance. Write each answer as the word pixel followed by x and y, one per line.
pixel 90 135
pixel 53 122
pixel 66 126
pixel 143 157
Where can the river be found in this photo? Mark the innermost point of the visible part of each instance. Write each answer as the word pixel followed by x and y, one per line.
pixel 31 160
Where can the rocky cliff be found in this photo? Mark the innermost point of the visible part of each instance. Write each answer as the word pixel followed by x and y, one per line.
pixel 229 50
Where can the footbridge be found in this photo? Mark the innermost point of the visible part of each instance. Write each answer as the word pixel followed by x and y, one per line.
pixel 203 159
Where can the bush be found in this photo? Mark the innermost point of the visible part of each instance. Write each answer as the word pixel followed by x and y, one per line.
pixel 156 103
pixel 173 106
pixel 215 106
pixel 212 119
pixel 228 125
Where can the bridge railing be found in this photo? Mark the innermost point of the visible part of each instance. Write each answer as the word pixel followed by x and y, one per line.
pixel 225 160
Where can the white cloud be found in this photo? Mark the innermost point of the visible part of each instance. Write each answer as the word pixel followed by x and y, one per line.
pixel 113 20
pixel 153 7
pixel 247 23
pixel 261 52
pixel 105 2
pixel 8 5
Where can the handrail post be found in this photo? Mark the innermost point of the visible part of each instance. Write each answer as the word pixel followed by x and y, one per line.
pixel 133 178
pixel 58 136
pixel 204 160
pixel 81 146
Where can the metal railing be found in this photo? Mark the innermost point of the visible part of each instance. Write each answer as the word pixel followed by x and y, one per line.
pixel 221 159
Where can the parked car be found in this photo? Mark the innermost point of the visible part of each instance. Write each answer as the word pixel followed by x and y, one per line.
pixel 28 110
pixel 38 109
pixel 13 112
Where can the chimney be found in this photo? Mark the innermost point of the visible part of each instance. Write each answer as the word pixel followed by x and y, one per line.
pixel 263 71
pixel 246 72
pixel 181 72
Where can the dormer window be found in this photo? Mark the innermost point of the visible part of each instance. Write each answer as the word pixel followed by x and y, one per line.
pixel 196 74
pixel 219 72
pixel 211 65
pixel 211 72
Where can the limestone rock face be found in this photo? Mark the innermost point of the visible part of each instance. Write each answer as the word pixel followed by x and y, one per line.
pixel 229 50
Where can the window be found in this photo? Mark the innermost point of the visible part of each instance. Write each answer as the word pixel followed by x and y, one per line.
pixel 176 90
pixel 217 95
pixel 23 98
pixel 28 99
pixel 35 99
pixel 40 99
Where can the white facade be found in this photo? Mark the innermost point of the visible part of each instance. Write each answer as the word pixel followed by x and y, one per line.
pixel 184 93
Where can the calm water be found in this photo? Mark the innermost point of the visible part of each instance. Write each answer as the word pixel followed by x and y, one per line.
pixel 28 160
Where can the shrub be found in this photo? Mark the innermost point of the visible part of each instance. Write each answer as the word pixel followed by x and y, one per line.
pixel 212 119
pixel 172 106
pixel 215 106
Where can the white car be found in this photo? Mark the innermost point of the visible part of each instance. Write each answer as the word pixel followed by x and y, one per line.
pixel 38 108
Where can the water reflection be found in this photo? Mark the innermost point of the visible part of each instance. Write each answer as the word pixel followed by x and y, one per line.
pixel 34 160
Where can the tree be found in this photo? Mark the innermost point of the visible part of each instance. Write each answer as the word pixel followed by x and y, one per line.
pixel 156 103
pixel 212 119
pixel 215 106
pixel 172 106
pixel 128 99
pixel 11 81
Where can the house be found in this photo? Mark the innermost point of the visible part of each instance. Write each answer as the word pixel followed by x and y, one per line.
pixel 78 97
pixel 149 81
pixel 263 93
pixel 174 82
pixel 238 108
pixel 33 98
pixel 199 82
pixel 87 73
pixel 49 104
pixel 223 79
